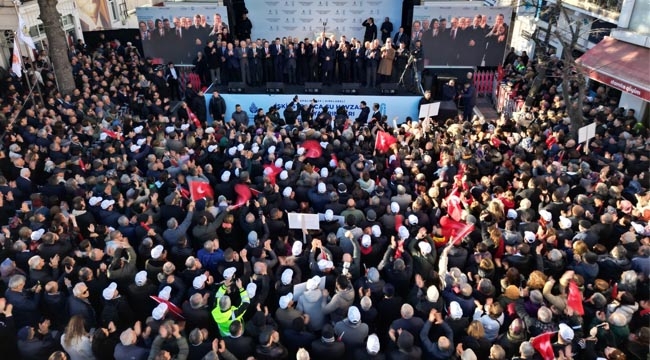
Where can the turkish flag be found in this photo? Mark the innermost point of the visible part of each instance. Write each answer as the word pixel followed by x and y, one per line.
pixel 542 343
pixel 496 142
pixel 574 300
pixel 184 192
pixel 272 172
pixel 171 307
pixel 244 193
pixel 615 291
pixel 454 207
pixel 312 149
pixel 454 229
pixel 201 190
pixel 383 141
pixel 193 118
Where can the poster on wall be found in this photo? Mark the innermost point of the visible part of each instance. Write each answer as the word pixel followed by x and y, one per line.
pixel 93 15
pixel 308 18
pixel 462 35
pixel 177 33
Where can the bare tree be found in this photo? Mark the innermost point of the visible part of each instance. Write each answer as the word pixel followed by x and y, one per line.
pixel 57 45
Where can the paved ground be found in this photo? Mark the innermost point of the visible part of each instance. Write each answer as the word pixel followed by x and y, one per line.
pixel 484 107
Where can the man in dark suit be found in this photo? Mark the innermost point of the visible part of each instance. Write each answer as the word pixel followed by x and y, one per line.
pixel 277 54
pixel 217 107
pixel 358 61
pixel 386 29
pixel 327 57
pixel 452 41
pixel 314 63
pixel 476 36
pixel 401 37
pixel 267 63
pixel 469 99
pixel 376 114
pixel 371 30
pixel 365 112
pixel 255 64
pixel 172 76
pixel 239 345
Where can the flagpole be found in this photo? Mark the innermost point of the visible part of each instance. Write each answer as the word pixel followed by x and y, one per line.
pixel 27 75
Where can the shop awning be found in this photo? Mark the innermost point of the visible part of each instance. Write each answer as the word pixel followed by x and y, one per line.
pixel 620 65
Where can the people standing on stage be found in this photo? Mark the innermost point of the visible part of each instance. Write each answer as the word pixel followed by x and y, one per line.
pixel 386 29
pixel 244 54
pixel 255 64
pixel 244 27
pixel 267 62
pixel 214 62
pixel 371 30
pixel 416 32
pixel 387 58
pixel 372 63
pixel 314 62
pixel 232 64
pixel 468 97
pixel 302 60
pixel 402 56
pixel 328 55
pixel 291 65
pixel 402 37
pixel 359 61
pixel 278 56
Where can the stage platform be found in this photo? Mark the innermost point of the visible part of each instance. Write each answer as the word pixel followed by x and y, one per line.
pixel 396 106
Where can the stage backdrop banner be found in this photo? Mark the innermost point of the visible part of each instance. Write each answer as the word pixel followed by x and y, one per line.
pixel 170 44
pixel 391 106
pixel 461 34
pixel 304 19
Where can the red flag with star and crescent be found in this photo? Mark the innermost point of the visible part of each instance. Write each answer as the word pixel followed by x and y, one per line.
pixel 384 141
pixel 313 150
pixel 542 343
pixel 201 190
pixel 244 193
pixel 574 300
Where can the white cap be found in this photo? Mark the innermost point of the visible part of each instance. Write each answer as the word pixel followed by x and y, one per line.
pixel 394 207
pixel 134 148
pixel 229 273
pixel 329 215
pixel 279 162
pixel 138 129
pixel 169 129
pixel 403 232
pixel 95 200
pixel 399 171
pixel 322 188
pixel 213 148
pixel 271 149
pixel 324 172
pixel 284 175
pixel 141 278
pixel 287 276
pixel 333 163
pixel 376 230
pixel 354 315
pixel 37 235
pixel 296 248
pixel 225 176
pixel 185 127
pixel 324 264
pixel 103 136
pixel 425 247
pixel 468 354
pixel 199 281
pixel 109 292
pixel 165 293
pixel 240 147
pixel 547 216
pixel 255 148
pixel 529 236
pixel 285 300
pixel 159 311
pixel 251 289
pixel 209 130
pixel 566 332
pixel 455 311
pixel 288 165
pixel 313 283
pixel 433 293
pixel 413 220
pixel 565 223
pixel 366 241
pixel 107 203
pixel 141 142
pixel 157 251
pixel 300 151
pixel 512 214
pixel 372 345
pixel 232 151
pixel 287 191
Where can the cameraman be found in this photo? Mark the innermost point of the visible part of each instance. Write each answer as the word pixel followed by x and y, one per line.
pixel 418 65
pixel 306 110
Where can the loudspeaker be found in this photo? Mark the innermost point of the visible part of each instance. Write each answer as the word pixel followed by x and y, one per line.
pixel 388 88
pixel 313 87
pixel 350 88
pixel 274 87
pixel 236 87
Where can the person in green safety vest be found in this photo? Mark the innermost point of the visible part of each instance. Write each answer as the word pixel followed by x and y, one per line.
pixel 225 313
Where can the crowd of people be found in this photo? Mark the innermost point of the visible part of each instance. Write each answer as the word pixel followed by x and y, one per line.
pixel 107 251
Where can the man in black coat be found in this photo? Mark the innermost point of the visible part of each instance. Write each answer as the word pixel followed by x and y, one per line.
pixel 327 347
pixel 239 345
pixel 139 294
pixel 217 107
pixel 371 30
